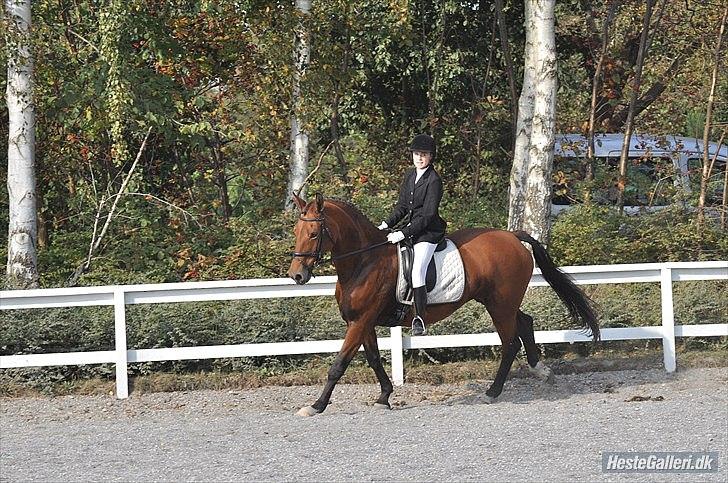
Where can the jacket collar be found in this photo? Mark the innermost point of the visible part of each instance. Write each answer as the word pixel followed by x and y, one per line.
pixel 424 176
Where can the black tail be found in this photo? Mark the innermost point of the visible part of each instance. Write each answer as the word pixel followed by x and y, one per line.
pixel 576 301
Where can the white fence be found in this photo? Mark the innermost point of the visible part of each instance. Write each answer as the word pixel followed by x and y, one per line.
pixel 123 295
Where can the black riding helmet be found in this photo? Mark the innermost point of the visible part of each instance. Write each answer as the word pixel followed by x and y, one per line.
pixel 424 142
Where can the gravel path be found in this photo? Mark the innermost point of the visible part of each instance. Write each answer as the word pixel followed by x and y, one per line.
pixel 434 433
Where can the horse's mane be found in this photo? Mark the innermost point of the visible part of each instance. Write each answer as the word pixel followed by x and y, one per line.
pixel 351 207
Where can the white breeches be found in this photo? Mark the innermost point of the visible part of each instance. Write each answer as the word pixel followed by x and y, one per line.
pixel 423 255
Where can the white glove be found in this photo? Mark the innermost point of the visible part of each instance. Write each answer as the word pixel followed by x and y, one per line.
pixel 395 237
pixel 383 226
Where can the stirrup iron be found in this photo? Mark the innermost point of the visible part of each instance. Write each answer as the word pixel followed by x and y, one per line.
pixel 418 326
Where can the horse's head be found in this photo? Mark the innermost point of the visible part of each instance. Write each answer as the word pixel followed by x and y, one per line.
pixel 312 238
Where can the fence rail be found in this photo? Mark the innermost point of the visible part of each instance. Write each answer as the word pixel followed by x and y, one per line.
pixel 119 296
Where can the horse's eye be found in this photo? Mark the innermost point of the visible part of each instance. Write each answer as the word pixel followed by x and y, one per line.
pixel 313 235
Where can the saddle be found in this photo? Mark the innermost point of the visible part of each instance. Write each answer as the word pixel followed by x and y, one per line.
pixel 407 256
pixel 445 279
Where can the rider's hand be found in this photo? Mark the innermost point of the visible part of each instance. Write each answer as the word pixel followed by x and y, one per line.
pixel 383 226
pixel 395 237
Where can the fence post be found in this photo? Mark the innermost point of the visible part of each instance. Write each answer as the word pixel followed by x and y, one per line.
pixel 397 356
pixel 122 380
pixel 668 320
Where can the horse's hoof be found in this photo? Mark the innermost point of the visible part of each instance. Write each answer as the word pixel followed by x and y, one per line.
pixel 488 399
pixel 382 406
pixel 307 411
pixel 544 372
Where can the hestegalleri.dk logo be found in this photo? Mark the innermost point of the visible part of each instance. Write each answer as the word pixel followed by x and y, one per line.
pixel 660 462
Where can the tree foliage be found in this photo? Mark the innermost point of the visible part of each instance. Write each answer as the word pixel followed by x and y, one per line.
pixel 213 82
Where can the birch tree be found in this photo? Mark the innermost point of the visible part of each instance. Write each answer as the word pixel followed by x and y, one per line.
pixel 22 269
pixel 530 183
pixel 507 57
pixel 299 137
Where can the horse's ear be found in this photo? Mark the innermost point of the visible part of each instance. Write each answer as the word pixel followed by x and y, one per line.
pixel 319 202
pixel 300 203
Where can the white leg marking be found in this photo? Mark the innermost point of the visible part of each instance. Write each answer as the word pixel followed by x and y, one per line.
pixel 307 411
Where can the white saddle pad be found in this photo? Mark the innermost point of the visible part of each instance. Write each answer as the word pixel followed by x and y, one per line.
pixel 450 277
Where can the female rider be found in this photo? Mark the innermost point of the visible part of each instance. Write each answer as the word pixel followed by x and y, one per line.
pixel 418 204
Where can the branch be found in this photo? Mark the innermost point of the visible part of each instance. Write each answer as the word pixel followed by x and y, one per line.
pixel 617 120
pixel 84 40
pixel 96 241
pixel 315 169
pixel 171 205
pixel 110 216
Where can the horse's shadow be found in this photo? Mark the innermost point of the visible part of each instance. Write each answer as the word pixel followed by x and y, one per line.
pixel 635 380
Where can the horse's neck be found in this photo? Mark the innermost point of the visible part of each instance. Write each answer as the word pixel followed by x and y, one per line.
pixel 352 234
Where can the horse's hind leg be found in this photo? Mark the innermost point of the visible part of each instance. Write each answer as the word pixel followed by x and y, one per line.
pixel 505 324
pixel 525 332
pixel 371 348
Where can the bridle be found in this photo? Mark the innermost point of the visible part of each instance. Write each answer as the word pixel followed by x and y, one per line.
pixel 317 255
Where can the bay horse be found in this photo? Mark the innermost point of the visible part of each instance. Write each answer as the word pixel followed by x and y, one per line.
pixel 498 268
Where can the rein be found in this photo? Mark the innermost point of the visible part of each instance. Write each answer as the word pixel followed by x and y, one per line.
pixel 361 250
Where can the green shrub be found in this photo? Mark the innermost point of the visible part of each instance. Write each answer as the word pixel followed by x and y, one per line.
pixel 591 235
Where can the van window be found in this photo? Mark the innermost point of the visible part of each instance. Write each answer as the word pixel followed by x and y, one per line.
pixel 650 181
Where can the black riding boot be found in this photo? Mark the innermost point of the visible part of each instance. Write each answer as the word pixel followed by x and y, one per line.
pixel 418 324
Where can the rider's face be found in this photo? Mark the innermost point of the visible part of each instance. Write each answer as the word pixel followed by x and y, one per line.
pixel 421 159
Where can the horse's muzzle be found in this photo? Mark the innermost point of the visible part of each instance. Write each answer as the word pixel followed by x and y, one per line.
pixel 301 275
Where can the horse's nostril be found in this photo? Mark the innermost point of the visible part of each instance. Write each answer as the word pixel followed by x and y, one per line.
pixel 298 277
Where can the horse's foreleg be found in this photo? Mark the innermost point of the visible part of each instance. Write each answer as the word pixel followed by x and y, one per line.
pixel 352 342
pixel 371 348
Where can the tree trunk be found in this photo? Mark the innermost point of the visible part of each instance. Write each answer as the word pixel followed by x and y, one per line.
pixel 708 120
pixel 629 125
pixel 299 137
pixel 596 86
pixel 221 177
pixel 537 213
pixel 118 90
pixel 530 196
pixel 433 80
pixel 519 170
pixel 618 118
pixel 22 267
pixel 508 59
pixel 723 214
pixel 476 170
pixel 338 152
pixel 341 78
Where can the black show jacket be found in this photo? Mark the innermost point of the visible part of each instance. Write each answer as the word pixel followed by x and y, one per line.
pixel 418 205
